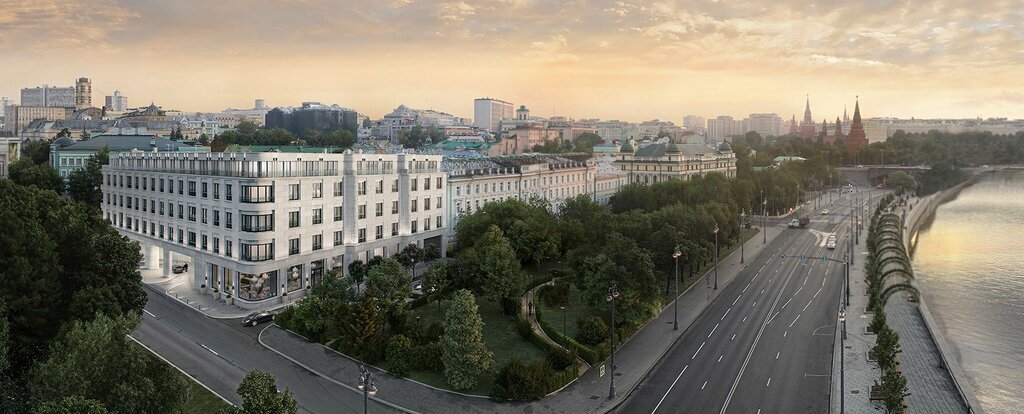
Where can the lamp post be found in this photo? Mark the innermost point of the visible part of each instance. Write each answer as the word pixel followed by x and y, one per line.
pixel 842 364
pixel 764 219
pixel 675 300
pixel 613 296
pixel 367 386
pixel 716 255
pixel 847 266
pixel 565 336
pixel 743 216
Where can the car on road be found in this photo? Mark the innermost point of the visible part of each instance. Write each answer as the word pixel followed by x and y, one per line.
pixel 180 268
pixel 824 212
pixel 831 242
pixel 794 223
pixel 257 318
pixel 860 166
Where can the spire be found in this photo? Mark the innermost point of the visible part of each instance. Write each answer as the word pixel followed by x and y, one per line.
pixel 856 138
pixel 807 110
pixel 846 118
pixel 856 114
pixel 824 128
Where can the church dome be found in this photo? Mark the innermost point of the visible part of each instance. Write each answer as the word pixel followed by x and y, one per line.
pixel 63 142
pixel 724 146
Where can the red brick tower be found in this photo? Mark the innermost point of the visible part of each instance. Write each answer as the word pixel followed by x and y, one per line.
pixel 857 138
pixel 808 130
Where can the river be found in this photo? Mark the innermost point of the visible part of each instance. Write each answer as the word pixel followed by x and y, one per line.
pixel 970 265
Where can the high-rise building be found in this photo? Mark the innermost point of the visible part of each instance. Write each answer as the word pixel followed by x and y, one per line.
pixel 765 124
pixel 83 93
pixel 4 103
pixel 694 122
pixel 808 129
pixel 116 103
pixel 48 96
pixel 488 113
pixel 17 117
pixel 261 104
pixel 857 138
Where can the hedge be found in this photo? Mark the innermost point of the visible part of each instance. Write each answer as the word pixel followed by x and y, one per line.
pixel 587 353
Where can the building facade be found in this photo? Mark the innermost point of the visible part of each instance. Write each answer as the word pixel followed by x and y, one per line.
pixel 659 162
pixel 10 151
pixel 83 93
pixel 488 113
pixel 264 227
pixel 68 155
pixel 116 102
pixel 17 117
pixel 48 96
pixel 312 116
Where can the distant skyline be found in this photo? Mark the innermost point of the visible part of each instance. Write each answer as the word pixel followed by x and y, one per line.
pixel 627 60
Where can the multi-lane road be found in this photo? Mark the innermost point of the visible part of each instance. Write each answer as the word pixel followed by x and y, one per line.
pixel 765 344
pixel 218 353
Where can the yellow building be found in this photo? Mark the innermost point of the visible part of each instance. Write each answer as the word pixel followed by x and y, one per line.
pixel 659 161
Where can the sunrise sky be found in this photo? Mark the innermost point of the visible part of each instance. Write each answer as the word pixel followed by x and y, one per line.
pixel 628 60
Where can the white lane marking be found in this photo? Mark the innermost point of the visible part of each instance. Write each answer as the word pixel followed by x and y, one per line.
pixel 758 411
pixel 726 313
pixel 149 313
pixel 713 330
pixel 733 337
pixel 785 333
pixel 705 385
pixel 772 318
pixel 669 389
pixel 755 304
pixel 762 268
pixel 816 293
pixel 794 321
pixel 808 304
pixel 798 291
pixel 737 299
pixel 787 303
pixel 745 288
pixel 805 279
pixel 777 355
pixel 769 280
pixel 769 382
pixel 698 350
pixel 720 357
pixel 744 319
pixel 762 291
pixel 208 349
pixel 823 282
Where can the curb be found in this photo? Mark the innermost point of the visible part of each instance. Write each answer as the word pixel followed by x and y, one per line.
pixel 180 370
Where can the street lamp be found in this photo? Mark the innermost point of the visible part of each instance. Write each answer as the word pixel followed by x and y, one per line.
pixel 764 219
pixel 565 337
pixel 743 216
pixel 716 255
pixel 367 386
pixel 675 300
pixel 842 365
pixel 613 296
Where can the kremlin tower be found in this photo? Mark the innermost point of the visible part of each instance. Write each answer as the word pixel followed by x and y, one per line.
pixel 856 139
pixel 793 127
pixel 838 135
pixel 808 130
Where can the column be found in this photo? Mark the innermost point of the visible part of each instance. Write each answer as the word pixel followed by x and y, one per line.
pixel 199 269
pixel 168 263
pixel 151 252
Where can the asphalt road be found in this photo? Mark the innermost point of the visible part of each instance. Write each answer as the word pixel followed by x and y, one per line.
pixel 218 353
pixel 765 343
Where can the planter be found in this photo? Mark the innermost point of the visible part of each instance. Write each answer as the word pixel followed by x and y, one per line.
pixel 871 356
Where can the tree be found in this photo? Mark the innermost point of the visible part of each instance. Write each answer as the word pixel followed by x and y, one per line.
pixel 204 139
pixel 586 142
pixel 85 135
pixel 893 387
pixel 84 184
pixel 357 271
pixel 39 151
pixel 901 181
pixel 72 405
pixel 409 256
pixel 43 176
pixel 362 327
pixel 260 396
pixel 389 285
pixel 95 360
pixel 887 345
pixel 415 137
pixel 438 279
pixel 398 355
pixel 497 266
pixel 464 353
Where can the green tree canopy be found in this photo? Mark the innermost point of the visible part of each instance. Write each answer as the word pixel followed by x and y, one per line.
pixel 43 176
pixel 389 284
pixel 85 184
pixel 259 394
pixel 464 352
pixel 497 266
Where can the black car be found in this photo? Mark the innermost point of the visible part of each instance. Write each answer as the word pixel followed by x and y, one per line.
pixel 182 268
pixel 256 318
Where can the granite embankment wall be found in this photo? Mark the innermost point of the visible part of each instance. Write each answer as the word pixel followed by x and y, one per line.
pixel 920 217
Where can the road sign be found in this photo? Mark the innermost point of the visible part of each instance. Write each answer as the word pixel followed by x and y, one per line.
pixel 602 371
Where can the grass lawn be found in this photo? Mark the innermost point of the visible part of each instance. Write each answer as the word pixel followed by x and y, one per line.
pixel 499 334
pixel 201 400
pixel 574 311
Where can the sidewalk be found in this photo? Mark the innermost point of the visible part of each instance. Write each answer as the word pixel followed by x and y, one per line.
pixel 177 287
pixel 589 394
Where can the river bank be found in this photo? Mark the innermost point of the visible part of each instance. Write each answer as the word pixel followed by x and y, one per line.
pixel 916 220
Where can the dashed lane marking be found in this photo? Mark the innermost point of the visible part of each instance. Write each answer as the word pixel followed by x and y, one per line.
pixel 698 350
pixel 794 321
pixel 713 330
pixel 720 357
pixel 786 304
pixel 769 382
pixel 705 385
pixel 669 389
pixel 726 313
pixel 808 304
pixel 733 337
pixel 777 355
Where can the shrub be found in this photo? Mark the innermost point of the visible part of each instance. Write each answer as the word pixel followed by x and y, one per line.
pixel 510 306
pixel 592 330
pixel 426 357
pixel 555 295
pixel 286 318
pixel 878 321
pixel 523 327
pixel 398 355
pixel 561 359
pixel 519 381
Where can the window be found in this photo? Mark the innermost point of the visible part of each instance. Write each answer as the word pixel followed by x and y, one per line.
pixel 191 213
pixel 129 202
pixel 257 252
pixel 438 204
pixel 216 218
pixel 338 238
pixel 426 224
pixel 361 187
pixel 339 189
pixel 181 236
pixel 318 241
pixel 192 188
pixel 362 235
pixel 227 219
pixel 380 232
pixel 362 211
pixel 293 219
pixel 202 244
pixel 394 207
pixel 426 183
pixel 394 229
pixel 413 208
pixel 216 191
pixel 144 184
pixel 161 185
pixel 293 246
pixel 293 191
pixel 438 186
pixel 257 222
pixel 318 215
pixel 338 213
pixel 255 193
pixel 394 186
pixel 227 192
pixel 203 215
pixel 379 189
pixel 426 204
pixel 192 238
pixel 413 226
pixel 216 245
pixel 227 248
pixel 438 222
pixel 413 182
pixel 380 209
pixel 204 186
pixel 318 190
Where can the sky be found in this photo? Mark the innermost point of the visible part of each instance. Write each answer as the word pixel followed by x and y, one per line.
pixel 627 60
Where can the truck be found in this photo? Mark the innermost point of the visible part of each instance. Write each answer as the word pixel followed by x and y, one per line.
pixel 804 221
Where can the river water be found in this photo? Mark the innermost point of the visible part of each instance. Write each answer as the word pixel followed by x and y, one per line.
pixel 970 265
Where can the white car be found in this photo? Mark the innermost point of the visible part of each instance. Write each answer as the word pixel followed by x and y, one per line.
pixel 831 242
pixel 824 212
pixel 794 223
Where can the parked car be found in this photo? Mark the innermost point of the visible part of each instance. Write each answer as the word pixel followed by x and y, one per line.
pixel 824 212
pixel 831 242
pixel 180 268
pixel 257 318
pixel 794 223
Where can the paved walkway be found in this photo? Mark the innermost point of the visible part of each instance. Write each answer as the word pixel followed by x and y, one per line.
pixel 932 389
pixel 588 394
pixel 178 287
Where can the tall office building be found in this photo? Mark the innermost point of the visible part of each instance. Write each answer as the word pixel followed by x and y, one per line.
pixel 488 113
pixel 117 103
pixel 48 96
pixel 83 93
pixel 694 122
pixel 765 124
pixel 261 104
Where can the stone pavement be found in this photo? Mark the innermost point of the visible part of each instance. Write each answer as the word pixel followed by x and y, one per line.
pixel 178 287
pixel 588 394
